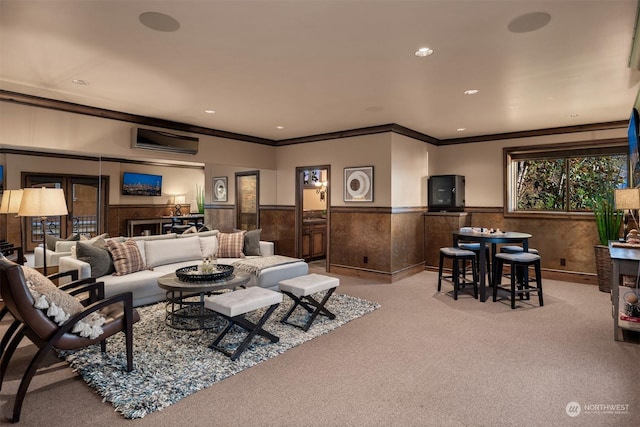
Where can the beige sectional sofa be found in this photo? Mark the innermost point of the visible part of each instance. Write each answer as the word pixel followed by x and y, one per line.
pixel 165 253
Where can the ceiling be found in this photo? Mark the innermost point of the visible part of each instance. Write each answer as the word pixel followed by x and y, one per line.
pixel 318 66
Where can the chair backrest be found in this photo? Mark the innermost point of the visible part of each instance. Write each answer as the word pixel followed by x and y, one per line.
pixel 19 302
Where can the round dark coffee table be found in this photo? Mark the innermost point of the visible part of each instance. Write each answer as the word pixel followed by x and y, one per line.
pixel 185 300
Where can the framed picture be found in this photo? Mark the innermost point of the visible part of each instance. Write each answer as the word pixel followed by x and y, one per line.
pixel 358 184
pixel 1 179
pixel 220 189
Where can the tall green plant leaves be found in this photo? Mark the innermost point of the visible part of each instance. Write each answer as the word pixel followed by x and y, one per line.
pixel 608 219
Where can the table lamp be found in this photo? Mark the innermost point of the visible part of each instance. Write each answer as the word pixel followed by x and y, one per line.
pixel 627 199
pixel 11 204
pixel 43 202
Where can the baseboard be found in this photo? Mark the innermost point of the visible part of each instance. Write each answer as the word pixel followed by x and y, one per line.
pixel 564 276
pixel 379 276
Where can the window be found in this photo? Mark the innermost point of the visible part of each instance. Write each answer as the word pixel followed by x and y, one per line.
pixel 564 180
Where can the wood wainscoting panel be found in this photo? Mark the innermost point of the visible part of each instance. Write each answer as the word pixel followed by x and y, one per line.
pixel 438 229
pixel 407 239
pixel 278 226
pixel 220 218
pixel 119 214
pixel 361 240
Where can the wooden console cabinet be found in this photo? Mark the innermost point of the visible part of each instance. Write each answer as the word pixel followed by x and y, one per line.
pixel 314 238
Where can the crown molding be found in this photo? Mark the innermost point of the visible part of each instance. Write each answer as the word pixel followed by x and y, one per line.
pixel 35 101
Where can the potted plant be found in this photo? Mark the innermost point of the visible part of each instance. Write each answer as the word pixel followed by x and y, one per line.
pixel 608 221
pixel 200 198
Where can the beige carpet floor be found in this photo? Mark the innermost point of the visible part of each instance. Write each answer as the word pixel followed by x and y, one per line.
pixel 422 359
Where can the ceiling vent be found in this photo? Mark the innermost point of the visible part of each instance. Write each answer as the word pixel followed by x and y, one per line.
pixel 163 141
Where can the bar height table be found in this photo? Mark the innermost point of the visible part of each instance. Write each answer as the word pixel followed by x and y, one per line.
pixel 485 237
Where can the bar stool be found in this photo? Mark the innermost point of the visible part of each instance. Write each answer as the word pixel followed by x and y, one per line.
pixel 523 261
pixel 514 249
pixel 475 247
pixel 458 277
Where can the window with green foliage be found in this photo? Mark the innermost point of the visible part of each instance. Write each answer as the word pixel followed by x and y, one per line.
pixel 564 180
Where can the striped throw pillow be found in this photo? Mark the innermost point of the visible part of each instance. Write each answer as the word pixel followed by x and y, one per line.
pixel 126 256
pixel 230 245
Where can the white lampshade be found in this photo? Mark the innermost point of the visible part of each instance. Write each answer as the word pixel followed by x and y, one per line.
pixel 11 200
pixel 43 202
pixel 179 200
pixel 628 198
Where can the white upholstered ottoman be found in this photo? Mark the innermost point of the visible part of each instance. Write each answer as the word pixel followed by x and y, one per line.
pixel 301 290
pixel 234 305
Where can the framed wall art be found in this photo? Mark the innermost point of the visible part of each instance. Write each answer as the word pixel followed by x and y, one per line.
pixel 220 189
pixel 358 184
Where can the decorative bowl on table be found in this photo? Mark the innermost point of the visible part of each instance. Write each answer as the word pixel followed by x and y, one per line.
pixel 194 274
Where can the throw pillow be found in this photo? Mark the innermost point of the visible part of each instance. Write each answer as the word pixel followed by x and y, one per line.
pixel 98 257
pixel 126 256
pixel 252 242
pixel 190 230
pixel 230 245
pixel 51 240
pixel 59 305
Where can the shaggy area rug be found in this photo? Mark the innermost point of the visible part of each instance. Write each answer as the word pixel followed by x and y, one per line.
pixel 170 364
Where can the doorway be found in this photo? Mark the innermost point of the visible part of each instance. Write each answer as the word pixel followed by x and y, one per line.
pixel 87 203
pixel 313 213
pixel 247 200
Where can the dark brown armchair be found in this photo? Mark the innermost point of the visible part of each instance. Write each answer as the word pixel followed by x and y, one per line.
pixel 46 334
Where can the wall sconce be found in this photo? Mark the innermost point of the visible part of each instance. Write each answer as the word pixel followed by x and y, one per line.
pixel 179 201
pixel 627 199
pixel 321 188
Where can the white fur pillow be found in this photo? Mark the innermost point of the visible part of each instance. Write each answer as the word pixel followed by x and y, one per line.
pixel 60 306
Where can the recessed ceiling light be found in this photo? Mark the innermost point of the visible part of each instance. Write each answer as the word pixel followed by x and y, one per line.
pixel 210 111
pixel 79 82
pixel 279 127
pixel 461 129
pixel 159 22
pixel 471 92
pixel 424 51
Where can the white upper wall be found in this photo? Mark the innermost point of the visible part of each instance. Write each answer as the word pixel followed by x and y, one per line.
pixel 401 164
pixel 410 166
pixel 43 129
pixel 482 163
pixel 367 150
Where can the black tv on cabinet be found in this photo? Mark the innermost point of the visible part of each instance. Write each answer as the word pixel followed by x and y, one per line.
pixel 446 193
pixel 141 184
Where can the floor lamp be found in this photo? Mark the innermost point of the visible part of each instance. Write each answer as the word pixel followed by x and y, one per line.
pixel 10 205
pixel 43 202
pixel 627 199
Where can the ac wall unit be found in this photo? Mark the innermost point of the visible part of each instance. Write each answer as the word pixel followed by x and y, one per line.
pixel 163 141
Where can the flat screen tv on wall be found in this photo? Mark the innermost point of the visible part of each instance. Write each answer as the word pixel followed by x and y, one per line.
pixel 141 184
pixel 634 155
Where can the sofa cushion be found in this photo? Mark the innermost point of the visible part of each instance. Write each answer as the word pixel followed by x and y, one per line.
pixel 208 246
pixel 50 240
pixel 230 245
pixel 200 234
pixel 160 252
pixel 127 258
pixel 252 242
pixel 97 255
pixel 64 245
